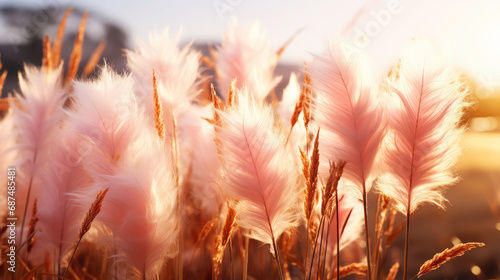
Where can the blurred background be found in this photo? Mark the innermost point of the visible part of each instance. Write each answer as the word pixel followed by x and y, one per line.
pixel 468 31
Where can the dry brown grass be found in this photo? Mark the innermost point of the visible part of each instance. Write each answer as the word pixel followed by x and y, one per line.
pixel 32 226
pixel 76 54
pixel 446 255
pixel 158 110
pixel 354 268
pixel 47 53
pixel 310 169
pixel 231 93
pixel 94 210
pixel 94 59
pixel 56 54
pixel 330 188
pixel 393 272
pixel 222 240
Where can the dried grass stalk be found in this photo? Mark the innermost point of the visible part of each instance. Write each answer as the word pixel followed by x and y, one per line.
pixel 305 97
pixel 354 268
pixel 305 164
pixel 2 82
pixel 207 228
pixel 208 61
pixel 94 59
pixel 76 54
pixel 158 110
pixel 94 210
pixel 222 240
pixel 393 272
pixel 56 53
pixel 32 226
pixel 231 93
pixel 382 209
pixel 311 178
pixel 47 53
pixel 446 255
pixel 336 171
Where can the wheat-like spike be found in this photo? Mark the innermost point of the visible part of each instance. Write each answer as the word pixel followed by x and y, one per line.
pixel 354 268
pixel 208 61
pixel 159 125
pixel 207 228
pixel 336 171
pixel 47 53
pixel 383 207
pixel 94 210
pixel 305 98
pixel 446 255
pixel 305 164
pixel 56 53
pixel 232 92
pixel 390 224
pixel 218 104
pixel 221 241
pixel 229 225
pixel 94 59
pixel 393 272
pixel 32 226
pixel 76 54
pixel 2 82
pixel 312 179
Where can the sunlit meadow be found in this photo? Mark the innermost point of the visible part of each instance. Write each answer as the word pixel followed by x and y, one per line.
pixel 167 172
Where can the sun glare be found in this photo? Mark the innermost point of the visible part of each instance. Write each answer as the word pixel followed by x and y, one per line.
pixel 488 41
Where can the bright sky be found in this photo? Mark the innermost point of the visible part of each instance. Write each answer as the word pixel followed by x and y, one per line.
pixel 468 29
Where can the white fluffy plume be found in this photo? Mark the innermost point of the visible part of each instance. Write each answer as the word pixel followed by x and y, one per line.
pixel 246 55
pixel 259 175
pixel 424 110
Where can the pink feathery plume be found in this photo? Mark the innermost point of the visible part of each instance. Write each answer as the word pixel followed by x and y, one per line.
pixel 257 170
pixel 104 120
pixel 204 167
pixel 176 70
pixel 348 110
pixel 139 217
pixel 246 55
pixel 37 116
pixel 8 155
pixel 424 115
pixel 60 218
pixel 141 207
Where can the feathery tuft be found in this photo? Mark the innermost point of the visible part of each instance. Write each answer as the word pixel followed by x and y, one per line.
pixel 424 115
pixel 246 54
pixel 349 114
pixel 258 174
